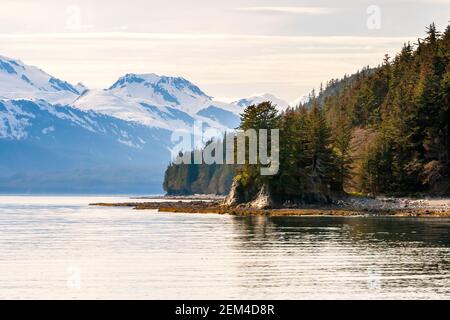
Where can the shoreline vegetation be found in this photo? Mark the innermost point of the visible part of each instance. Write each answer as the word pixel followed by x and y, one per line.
pixel 354 206
pixel 380 131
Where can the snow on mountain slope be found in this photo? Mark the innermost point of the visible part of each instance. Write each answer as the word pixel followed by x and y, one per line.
pixel 256 99
pixel 22 119
pixel 43 146
pixel 122 107
pixel 140 110
pixel 153 100
pixel 299 100
pixel 157 101
pixel 112 140
pixel 161 90
pixel 81 88
pixel 225 117
pixel 18 80
pixel 166 102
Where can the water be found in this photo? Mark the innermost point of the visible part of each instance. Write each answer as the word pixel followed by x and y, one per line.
pixel 58 247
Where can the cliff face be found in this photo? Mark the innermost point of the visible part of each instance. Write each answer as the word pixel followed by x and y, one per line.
pixel 235 196
pixel 238 196
pixel 265 198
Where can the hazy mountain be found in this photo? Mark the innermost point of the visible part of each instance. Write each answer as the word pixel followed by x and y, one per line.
pixel 166 102
pixel 59 137
pixel 18 80
pixel 48 148
pixel 257 99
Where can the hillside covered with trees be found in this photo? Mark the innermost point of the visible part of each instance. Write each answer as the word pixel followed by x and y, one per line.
pixel 382 130
pixel 189 179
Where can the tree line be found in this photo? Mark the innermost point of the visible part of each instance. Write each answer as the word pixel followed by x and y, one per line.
pixel 382 130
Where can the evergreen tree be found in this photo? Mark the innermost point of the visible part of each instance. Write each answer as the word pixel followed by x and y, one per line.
pixel 401 106
pixel 255 117
pixel 320 145
pixel 342 142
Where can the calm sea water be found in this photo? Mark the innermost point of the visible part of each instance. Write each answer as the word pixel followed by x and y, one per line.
pixel 59 247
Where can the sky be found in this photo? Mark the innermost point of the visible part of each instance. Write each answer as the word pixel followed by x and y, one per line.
pixel 230 49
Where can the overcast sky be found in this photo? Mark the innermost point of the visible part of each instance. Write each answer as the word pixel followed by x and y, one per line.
pixel 230 49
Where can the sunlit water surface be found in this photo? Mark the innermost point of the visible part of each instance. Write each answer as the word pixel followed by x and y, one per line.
pixel 59 247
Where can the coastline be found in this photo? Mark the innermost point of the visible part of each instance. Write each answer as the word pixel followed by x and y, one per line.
pixel 363 207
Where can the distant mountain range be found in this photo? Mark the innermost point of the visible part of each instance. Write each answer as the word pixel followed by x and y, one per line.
pixel 56 137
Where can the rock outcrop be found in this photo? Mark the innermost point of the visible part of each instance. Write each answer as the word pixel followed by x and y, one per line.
pixel 240 197
pixel 234 198
pixel 263 200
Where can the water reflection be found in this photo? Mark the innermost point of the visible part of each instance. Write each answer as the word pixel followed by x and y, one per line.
pixel 62 248
pixel 432 231
pixel 360 257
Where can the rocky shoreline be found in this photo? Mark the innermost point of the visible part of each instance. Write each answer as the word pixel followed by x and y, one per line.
pixel 347 207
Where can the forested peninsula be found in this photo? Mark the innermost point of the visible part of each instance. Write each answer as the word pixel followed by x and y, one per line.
pixel 380 131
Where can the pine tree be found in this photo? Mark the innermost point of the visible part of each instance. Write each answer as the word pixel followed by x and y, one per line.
pixel 320 146
pixel 342 142
pixel 401 106
pixel 255 117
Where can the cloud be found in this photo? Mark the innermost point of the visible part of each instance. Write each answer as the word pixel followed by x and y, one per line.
pixel 433 1
pixel 230 65
pixel 291 10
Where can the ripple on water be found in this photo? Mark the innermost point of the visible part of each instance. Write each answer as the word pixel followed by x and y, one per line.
pixel 58 247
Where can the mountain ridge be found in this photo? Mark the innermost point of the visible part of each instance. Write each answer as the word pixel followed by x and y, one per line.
pixel 130 91
pixel 19 80
pixel 111 140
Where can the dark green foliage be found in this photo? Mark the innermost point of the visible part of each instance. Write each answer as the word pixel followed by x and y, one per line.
pixel 308 164
pixel 188 179
pixel 261 116
pixel 405 101
pixel 411 152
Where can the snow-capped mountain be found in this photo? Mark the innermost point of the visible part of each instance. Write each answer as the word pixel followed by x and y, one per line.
pixel 43 147
pixel 153 100
pixel 162 90
pixel 157 101
pixel 81 88
pixel 167 102
pixel 299 100
pixel 18 80
pixel 144 111
pixel 101 140
pixel 256 99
